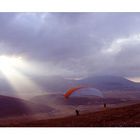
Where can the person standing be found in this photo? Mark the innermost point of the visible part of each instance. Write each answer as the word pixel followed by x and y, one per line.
pixel 104 105
pixel 77 112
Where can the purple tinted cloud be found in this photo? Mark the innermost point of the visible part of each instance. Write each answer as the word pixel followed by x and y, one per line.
pixel 79 43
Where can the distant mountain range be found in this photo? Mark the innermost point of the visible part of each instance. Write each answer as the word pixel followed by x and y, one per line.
pixel 116 90
pixel 110 83
pixel 57 84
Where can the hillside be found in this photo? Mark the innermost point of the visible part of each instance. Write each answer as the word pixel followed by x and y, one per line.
pixel 109 82
pixel 10 106
pixel 117 117
pixel 103 83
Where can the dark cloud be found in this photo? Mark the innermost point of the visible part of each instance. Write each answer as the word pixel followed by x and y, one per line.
pixel 76 43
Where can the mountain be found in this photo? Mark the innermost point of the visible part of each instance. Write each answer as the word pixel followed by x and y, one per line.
pixel 59 85
pixel 110 83
pixel 107 82
pixel 10 106
pixel 114 88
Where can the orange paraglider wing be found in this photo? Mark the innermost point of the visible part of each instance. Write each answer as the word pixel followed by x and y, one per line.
pixel 70 91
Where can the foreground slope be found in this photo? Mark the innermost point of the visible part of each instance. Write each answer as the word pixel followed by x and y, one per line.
pixel 123 116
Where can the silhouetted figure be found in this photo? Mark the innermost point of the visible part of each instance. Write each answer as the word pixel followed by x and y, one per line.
pixel 104 105
pixel 77 112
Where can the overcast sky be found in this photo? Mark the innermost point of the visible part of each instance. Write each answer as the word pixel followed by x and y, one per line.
pixel 74 44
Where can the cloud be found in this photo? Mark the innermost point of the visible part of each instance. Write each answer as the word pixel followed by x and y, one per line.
pixel 75 44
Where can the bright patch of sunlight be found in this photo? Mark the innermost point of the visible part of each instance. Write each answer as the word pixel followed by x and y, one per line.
pixel 8 63
pixel 11 68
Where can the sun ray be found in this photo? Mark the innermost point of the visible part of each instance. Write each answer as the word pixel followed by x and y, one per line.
pixel 23 85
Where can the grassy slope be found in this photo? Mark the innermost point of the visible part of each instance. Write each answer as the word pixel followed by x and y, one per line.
pixel 123 116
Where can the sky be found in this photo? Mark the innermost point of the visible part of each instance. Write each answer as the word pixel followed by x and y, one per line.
pixel 74 44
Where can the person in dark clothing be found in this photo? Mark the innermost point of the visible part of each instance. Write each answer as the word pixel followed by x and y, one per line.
pixel 77 112
pixel 104 105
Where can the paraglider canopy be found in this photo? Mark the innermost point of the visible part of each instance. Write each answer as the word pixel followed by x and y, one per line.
pixel 86 89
